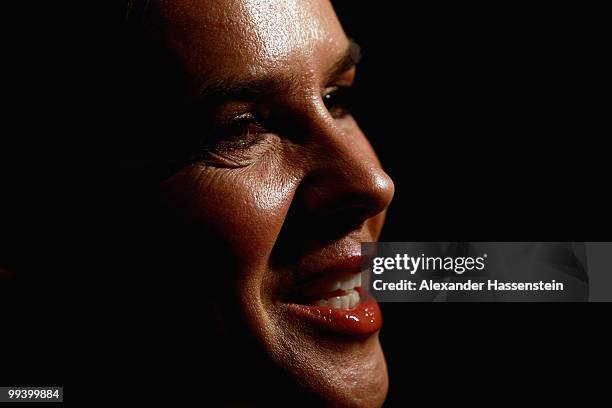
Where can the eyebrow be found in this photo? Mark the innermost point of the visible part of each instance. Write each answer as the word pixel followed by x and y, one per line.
pixel 255 88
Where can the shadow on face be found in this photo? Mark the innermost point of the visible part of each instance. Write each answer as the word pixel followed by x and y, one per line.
pixel 249 187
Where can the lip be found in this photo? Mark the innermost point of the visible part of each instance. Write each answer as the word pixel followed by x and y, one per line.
pixel 347 264
pixel 364 320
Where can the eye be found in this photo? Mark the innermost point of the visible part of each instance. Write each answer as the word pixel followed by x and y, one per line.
pixel 238 133
pixel 338 100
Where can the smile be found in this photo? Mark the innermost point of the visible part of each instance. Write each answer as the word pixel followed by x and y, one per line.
pixel 336 302
pixel 339 293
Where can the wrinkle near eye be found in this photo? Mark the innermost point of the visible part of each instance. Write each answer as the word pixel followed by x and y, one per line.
pixel 261 152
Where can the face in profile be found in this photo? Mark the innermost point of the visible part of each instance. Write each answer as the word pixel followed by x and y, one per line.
pixel 283 184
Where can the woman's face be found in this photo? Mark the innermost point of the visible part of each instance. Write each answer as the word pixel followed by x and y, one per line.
pixel 286 185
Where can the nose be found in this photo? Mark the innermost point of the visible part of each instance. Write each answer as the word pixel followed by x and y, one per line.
pixel 346 185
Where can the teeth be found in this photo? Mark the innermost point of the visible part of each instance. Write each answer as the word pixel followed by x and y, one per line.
pixel 335 302
pixel 350 283
pixel 321 302
pixel 353 299
pixel 346 302
pixel 347 284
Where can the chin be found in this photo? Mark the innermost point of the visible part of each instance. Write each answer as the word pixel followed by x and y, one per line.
pixel 361 382
pixel 322 354
pixel 338 375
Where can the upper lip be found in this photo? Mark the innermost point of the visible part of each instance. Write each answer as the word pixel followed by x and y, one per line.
pixel 330 271
pixel 341 265
pixel 322 264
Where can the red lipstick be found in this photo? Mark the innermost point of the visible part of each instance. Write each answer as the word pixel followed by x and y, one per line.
pixel 364 320
pixel 332 298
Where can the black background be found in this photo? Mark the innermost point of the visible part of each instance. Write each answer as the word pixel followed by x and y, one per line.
pixel 490 119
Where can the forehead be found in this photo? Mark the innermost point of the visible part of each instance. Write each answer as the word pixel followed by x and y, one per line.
pixel 217 39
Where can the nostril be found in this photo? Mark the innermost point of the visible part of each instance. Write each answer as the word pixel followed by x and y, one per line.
pixel 341 205
pixel 371 196
pixel 344 218
pixel 347 219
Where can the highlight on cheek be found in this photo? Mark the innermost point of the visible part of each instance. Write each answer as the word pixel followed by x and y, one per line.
pixel 277 194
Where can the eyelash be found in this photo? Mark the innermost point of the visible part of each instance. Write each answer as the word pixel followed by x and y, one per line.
pixel 243 131
pixel 237 132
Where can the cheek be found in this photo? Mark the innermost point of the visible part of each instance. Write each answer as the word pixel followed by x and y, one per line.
pixel 241 210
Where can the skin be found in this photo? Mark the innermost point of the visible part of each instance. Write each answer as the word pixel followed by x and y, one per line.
pixel 309 190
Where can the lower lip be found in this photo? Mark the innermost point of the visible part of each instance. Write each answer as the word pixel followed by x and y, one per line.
pixel 364 320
